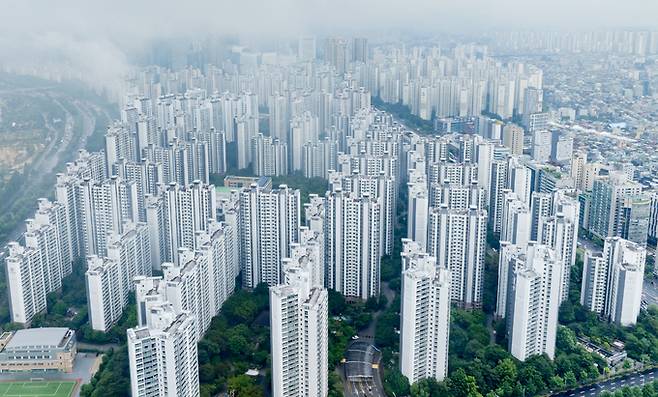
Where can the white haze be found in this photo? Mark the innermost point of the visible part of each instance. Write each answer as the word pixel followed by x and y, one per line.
pixel 90 39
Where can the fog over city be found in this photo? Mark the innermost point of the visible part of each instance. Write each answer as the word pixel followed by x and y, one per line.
pixel 96 39
pixel 328 198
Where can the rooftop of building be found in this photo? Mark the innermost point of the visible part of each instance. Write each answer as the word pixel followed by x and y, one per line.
pixel 54 337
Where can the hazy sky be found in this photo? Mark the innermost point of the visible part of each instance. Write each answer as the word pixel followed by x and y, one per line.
pixel 147 18
pixel 93 36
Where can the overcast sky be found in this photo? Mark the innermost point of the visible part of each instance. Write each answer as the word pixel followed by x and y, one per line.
pixel 94 35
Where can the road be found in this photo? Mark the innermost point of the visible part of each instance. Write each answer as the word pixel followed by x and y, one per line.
pixel 630 380
pixel 369 331
pixel 371 387
pixel 63 144
pixel 362 370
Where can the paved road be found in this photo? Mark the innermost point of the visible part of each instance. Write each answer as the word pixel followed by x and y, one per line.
pixel 363 378
pixel 369 331
pixel 634 379
pixel 65 141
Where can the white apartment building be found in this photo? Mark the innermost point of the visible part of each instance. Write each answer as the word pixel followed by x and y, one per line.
pixel 418 211
pixel 425 318
pixel 269 223
pixel 457 239
pixel 163 355
pixel 109 279
pixel 516 220
pixel 103 208
pixel 533 303
pixel 613 281
pixel 176 216
pixel 299 335
pixel 352 238
pixel 200 282
pixel 25 280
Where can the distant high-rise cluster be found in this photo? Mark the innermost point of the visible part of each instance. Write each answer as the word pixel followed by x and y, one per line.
pixel 488 165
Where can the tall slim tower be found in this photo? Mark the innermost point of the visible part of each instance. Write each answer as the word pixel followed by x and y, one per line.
pixel 533 304
pixel 299 333
pixel 269 223
pixel 352 232
pixel 425 318
pixel 457 238
pixel 163 355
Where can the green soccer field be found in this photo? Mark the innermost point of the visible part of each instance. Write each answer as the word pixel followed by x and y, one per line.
pixel 37 389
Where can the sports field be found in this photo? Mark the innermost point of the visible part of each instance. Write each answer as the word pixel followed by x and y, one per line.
pixel 37 389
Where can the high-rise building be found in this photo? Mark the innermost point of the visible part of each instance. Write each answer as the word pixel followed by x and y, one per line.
pixel 48 232
pixel 613 281
pixel 120 143
pixel 516 220
pixel 513 138
pixel 541 145
pixel 104 206
pixel 578 163
pixel 512 257
pixel 306 48
pixel 533 303
pixel 424 318
pixel 541 206
pixel 199 282
pixel 653 217
pixel 37 269
pixel 457 238
pixel 269 223
pixel 636 216
pixel 560 232
pixel 519 179
pixel 594 286
pixel 608 197
pixel 25 280
pixel 457 196
pixel 496 195
pixel 360 49
pixel 175 216
pixel 163 355
pixel 269 156
pixel 352 239
pixel 418 212
pixel 299 332
pixel 380 187
pixel 337 53
pixel 106 297
pixel 319 157
pixel 109 279
pixel 561 147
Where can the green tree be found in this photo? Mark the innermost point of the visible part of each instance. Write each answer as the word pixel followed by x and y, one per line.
pixel 395 383
pixel 462 385
pixel 244 386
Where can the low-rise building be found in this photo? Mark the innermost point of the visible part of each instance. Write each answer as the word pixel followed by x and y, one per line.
pixel 38 349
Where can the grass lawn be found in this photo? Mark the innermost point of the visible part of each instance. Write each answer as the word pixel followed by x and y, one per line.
pixel 37 389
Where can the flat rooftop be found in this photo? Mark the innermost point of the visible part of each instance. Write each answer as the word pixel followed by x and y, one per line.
pixel 37 337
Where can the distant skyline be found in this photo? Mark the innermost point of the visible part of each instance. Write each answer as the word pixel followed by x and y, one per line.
pixel 96 39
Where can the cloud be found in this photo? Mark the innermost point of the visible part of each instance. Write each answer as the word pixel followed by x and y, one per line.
pixel 92 39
